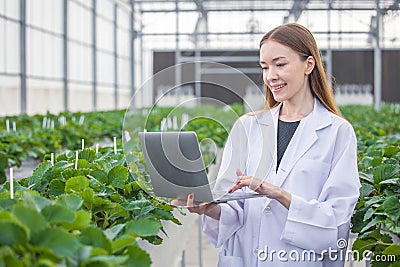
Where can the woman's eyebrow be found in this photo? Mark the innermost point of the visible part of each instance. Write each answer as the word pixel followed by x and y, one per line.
pixel 277 58
pixel 273 60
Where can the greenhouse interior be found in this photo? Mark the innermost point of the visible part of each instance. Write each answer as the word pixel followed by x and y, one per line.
pixel 85 84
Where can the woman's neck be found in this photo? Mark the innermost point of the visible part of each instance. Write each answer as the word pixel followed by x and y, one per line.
pixel 297 108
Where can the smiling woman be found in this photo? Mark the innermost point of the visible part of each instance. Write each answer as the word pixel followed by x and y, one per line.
pixel 299 152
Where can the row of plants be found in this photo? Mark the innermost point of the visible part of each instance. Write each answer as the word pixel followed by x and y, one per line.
pixel 377 215
pixel 37 135
pixel 34 136
pixel 90 215
pixel 112 198
pixel 90 211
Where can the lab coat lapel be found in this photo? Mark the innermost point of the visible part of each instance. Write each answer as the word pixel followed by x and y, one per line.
pixel 304 137
pixel 265 148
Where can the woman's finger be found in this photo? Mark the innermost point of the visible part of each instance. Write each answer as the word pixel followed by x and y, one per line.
pixel 242 182
pixel 178 202
pixel 239 172
pixel 190 200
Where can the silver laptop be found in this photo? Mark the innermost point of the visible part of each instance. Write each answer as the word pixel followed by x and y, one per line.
pixel 176 168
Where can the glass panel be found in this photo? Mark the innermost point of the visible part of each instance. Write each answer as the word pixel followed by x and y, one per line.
pixel 105 34
pixel 105 68
pixel 79 23
pixel 10 96
pixel 80 62
pixel 123 72
pixel 12 43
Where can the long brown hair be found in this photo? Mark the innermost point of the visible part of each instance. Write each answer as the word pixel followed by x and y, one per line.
pixel 301 40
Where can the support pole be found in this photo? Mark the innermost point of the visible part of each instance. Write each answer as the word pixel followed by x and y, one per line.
pixel 132 50
pixel 22 50
pixel 65 53
pixel 178 70
pixel 377 60
pixel 115 55
pixel 329 50
pixel 94 54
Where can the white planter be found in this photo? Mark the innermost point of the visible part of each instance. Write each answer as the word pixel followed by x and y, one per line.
pixel 169 253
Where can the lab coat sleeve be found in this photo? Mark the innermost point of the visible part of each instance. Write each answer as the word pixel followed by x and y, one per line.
pixel 318 224
pixel 219 231
pixel 234 157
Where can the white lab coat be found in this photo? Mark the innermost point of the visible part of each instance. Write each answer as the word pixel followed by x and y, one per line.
pixel 319 170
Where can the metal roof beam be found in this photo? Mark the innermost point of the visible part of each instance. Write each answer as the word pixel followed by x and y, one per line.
pixel 296 10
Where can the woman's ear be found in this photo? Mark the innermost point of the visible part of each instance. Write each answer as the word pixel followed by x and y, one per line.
pixel 310 64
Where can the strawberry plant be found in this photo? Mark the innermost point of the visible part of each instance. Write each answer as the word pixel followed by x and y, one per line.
pixel 377 215
pixel 104 212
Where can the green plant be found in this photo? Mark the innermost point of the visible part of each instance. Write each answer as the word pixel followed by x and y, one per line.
pixel 36 231
pixel 377 214
pixel 105 212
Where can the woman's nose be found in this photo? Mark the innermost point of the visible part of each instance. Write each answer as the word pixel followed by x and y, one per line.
pixel 270 75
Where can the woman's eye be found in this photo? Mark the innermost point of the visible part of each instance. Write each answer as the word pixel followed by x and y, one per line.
pixel 280 64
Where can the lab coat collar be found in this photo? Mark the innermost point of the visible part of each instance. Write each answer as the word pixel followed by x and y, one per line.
pixel 323 119
pixel 304 137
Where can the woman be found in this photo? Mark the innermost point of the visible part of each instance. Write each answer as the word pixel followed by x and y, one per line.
pixel 300 153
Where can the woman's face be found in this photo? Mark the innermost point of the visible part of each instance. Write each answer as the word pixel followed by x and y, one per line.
pixel 284 72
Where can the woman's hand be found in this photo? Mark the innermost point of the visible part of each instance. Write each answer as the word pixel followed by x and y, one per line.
pixel 210 209
pixel 261 187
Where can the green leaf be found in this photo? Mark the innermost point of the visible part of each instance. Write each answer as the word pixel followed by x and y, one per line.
pixel 3 176
pixel 162 214
pixel 34 200
pixel 104 261
pixel 369 214
pixel 12 234
pixel 76 184
pixel 83 164
pixel 122 243
pixel 113 231
pixel 370 224
pixel 366 190
pixel 87 154
pixel 100 176
pixel 60 242
pixel 392 207
pixel 7 203
pixel 392 226
pixel 56 187
pixel 385 172
pixel 366 177
pixel 41 170
pixel 393 249
pixel 143 227
pixel 70 172
pixel 137 257
pixel 118 211
pixel 373 200
pixel 70 201
pixel 82 220
pixel 3 161
pixel 361 245
pixel 58 214
pixel 45 263
pixel 93 236
pixel 390 151
pixel 139 208
pixel 394 181
pixel 118 176
pixel 30 217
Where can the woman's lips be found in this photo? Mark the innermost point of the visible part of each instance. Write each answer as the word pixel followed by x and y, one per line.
pixel 278 88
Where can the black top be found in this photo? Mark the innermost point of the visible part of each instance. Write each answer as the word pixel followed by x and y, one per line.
pixel 285 133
